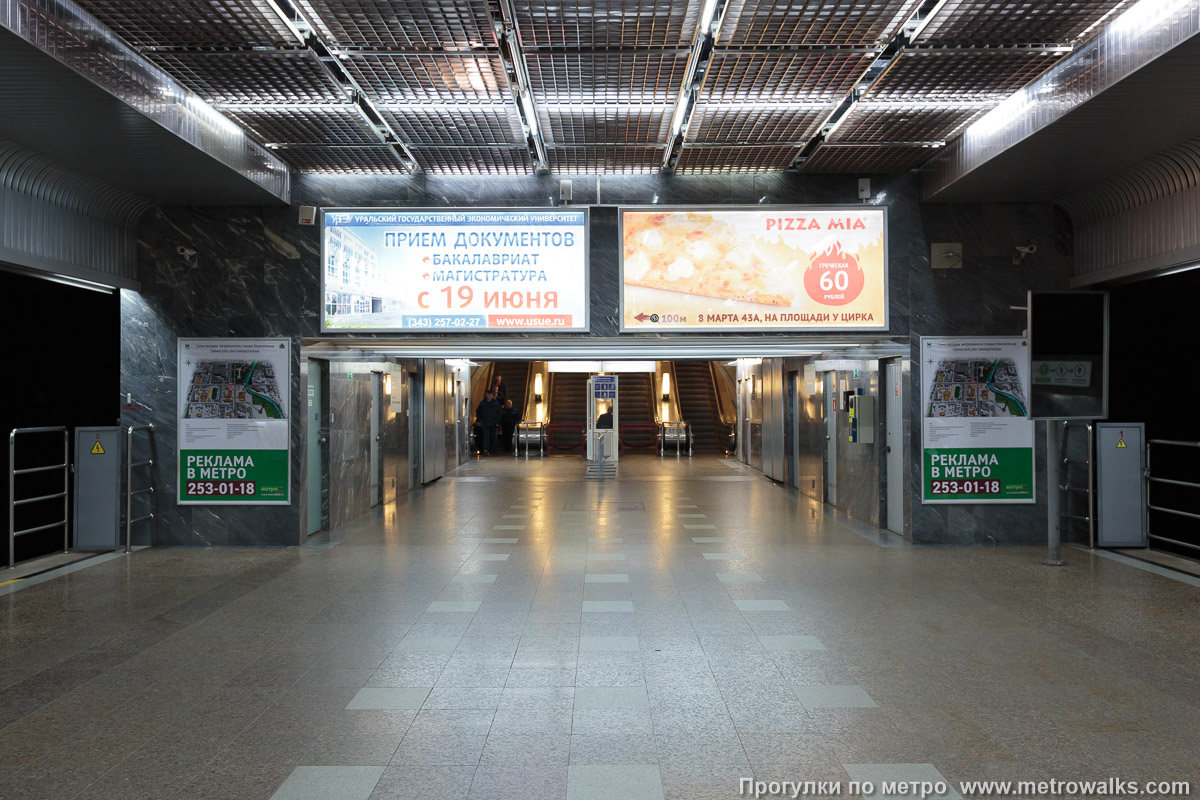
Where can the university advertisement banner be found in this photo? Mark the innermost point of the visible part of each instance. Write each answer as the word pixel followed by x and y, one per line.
pixel 977 437
pixel 233 424
pixel 754 269
pixel 445 270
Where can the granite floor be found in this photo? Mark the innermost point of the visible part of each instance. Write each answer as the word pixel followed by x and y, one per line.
pixel 515 631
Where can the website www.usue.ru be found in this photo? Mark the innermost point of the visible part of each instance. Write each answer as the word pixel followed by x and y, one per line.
pixel 1108 787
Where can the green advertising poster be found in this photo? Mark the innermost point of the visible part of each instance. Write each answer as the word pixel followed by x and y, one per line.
pixel 233 421
pixel 976 437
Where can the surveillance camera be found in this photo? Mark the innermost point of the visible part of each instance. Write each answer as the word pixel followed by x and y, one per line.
pixel 186 252
pixel 1026 249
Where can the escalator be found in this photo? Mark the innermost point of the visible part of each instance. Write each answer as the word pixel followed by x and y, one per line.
pixel 568 410
pixel 516 376
pixel 635 404
pixel 698 405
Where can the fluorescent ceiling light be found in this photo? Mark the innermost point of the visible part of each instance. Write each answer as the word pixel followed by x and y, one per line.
pixel 707 12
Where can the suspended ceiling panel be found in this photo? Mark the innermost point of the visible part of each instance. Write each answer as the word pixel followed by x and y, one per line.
pixel 734 77
pixel 402 24
pixel 612 125
pixel 257 77
pixel 1017 21
pixel 718 123
pixel 704 160
pixel 813 22
pixel 606 77
pixel 330 125
pixel 598 160
pixel 966 74
pixel 438 77
pixel 866 158
pixel 474 160
pixel 887 122
pixel 606 23
pixel 372 159
pixel 464 124
pixel 194 23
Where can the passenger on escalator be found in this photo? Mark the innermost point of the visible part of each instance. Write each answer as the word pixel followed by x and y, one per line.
pixel 508 423
pixel 487 414
pixel 499 389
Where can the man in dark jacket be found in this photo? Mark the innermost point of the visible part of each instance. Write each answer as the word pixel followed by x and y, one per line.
pixel 487 414
pixel 508 423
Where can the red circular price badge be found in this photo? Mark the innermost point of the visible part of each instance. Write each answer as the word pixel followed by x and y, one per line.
pixel 833 278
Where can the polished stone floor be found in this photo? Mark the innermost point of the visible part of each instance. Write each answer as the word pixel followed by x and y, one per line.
pixel 515 631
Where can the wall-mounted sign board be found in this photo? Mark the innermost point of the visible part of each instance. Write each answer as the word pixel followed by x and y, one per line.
pixel 446 270
pixel 753 269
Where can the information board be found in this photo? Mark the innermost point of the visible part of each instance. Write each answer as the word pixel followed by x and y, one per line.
pixel 739 269
pixel 976 437
pixel 445 270
pixel 233 442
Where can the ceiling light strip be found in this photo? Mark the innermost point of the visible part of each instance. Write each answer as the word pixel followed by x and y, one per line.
pixel 517 72
pixel 306 33
pixel 703 42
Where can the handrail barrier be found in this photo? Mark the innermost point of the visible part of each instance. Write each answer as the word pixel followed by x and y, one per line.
pixel 13 502
pixel 1152 479
pixel 130 492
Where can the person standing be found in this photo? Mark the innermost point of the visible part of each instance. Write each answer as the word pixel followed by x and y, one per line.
pixel 487 414
pixel 500 390
pixel 508 423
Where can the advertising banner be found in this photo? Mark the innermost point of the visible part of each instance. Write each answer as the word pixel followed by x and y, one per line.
pixel 444 270
pixel 233 421
pixel 977 437
pixel 753 269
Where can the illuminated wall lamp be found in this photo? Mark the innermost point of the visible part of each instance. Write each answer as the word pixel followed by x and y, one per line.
pixel 387 383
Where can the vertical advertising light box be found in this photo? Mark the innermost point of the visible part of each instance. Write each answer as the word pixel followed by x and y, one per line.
pixel 233 442
pixel 445 270
pixel 976 437
pixel 754 269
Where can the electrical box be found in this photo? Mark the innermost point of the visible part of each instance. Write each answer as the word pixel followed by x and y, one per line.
pixel 97 516
pixel 862 418
pixel 1120 484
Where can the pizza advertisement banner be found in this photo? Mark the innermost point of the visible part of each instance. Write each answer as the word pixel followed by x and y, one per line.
pixel 753 269
pixel 976 434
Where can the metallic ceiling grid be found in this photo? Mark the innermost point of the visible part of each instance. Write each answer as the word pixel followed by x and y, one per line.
pixel 1006 22
pixel 719 124
pixel 745 77
pixel 475 160
pixel 706 160
pixel 461 124
pixel 430 77
pixel 329 125
pixel 600 160
pixel 606 23
pixel 962 74
pixel 430 25
pixel 615 125
pixel 257 77
pixel 605 77
pixel 814 22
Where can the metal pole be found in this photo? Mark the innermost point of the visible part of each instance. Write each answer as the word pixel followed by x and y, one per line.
pixel 66 490
pixel 12 483
pixel 1149 483
pixel 1091 512
pixel 1053 481
pixel 129 490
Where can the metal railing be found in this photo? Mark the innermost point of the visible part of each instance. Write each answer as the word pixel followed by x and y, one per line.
pixel 13 502
pixel 1151 479
pixel 527 433
pixel 677 432
pixel 130 492
pixel 1065 486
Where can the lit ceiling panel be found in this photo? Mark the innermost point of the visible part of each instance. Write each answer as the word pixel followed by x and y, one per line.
pixel 330 125
pixel 602 160
pixel 1017 21
pixel 474 160
pixel 901 122
pixel 193 23
pixel 734 77
pixel 431 124
pixel 259 77
pixel 604 124
pixel 607 77
pixel 378 160
pixel 867 158
pixel 606 23
pixel 703 160
pixel 813 22
pixel 444 77
pixel 965 74
pixel 717 123
pixel 402 24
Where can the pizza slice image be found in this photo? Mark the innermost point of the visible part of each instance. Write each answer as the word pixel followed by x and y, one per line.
pixel 693 254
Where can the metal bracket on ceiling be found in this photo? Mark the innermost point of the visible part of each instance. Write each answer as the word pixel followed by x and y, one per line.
pixel 305 32
pixel 503 14
pixel 703 42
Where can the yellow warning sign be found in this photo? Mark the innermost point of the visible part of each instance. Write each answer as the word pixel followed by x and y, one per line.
pixel 97 450
pixel 1121 441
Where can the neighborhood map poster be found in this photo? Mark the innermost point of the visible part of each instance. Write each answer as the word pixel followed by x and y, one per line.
pixel 233 421
pixel 977 437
